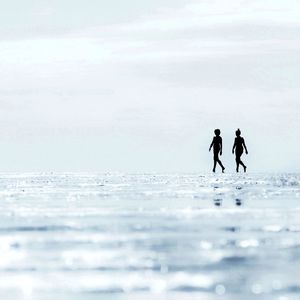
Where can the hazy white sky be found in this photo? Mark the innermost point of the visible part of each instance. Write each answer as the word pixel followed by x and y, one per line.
pixel 139 86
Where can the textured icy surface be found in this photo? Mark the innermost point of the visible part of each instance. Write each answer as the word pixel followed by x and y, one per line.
pixel 116 236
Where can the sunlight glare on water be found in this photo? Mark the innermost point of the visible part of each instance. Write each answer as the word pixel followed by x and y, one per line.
pixel 150 236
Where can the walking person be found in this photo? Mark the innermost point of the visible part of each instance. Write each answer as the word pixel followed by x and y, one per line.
pixel 217 147
pixel 238 146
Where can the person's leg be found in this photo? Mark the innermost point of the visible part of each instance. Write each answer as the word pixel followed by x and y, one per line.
pixel 216 158
pixel 243 166
pixel 237 160
pixel 215 163
pixel 220 163
pixel 241 163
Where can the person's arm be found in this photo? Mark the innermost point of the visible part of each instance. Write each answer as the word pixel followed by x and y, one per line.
pixel 221 146
pixel 211 144
pixel 245 146
pixel 234 145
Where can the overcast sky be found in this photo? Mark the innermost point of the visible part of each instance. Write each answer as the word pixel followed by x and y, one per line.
pixel 139 86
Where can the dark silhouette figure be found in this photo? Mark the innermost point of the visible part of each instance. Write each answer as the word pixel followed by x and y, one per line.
pixel 217 147
pixel 238 146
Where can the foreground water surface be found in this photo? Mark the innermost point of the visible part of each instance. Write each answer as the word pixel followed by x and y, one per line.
pixel 146 236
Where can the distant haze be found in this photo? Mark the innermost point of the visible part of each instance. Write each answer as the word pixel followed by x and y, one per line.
pixel 139 86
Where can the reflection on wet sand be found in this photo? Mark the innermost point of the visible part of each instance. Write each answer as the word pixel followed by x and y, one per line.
pixel 149 236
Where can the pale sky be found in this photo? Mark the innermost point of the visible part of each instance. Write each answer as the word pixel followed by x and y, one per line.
pixel 139 86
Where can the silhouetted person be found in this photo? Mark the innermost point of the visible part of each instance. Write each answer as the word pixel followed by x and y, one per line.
pixel 239 145
pixel 217 146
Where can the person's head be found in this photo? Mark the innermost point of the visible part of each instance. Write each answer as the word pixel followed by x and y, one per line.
pixel 238 132
pixel 217 132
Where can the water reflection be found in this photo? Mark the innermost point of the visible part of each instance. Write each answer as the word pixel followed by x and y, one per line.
pixel 238 202
pixel 218 202
pixel 116 236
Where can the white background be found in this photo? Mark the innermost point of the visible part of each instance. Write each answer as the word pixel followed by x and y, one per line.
pixel 139 86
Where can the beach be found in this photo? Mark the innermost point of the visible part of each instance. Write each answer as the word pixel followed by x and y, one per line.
pixel 149 236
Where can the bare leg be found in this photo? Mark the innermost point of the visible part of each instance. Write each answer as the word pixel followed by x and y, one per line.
pixel 216 158
pixel 215 163
pixel 220 163
pixel 237 163
pixel 243 166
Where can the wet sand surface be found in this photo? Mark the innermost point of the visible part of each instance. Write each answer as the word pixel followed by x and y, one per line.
pixel 149 236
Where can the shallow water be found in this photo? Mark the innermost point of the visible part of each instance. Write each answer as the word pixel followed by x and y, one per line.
pixel 116 236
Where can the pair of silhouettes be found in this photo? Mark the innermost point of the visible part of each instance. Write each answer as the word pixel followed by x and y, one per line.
pixel 238 146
